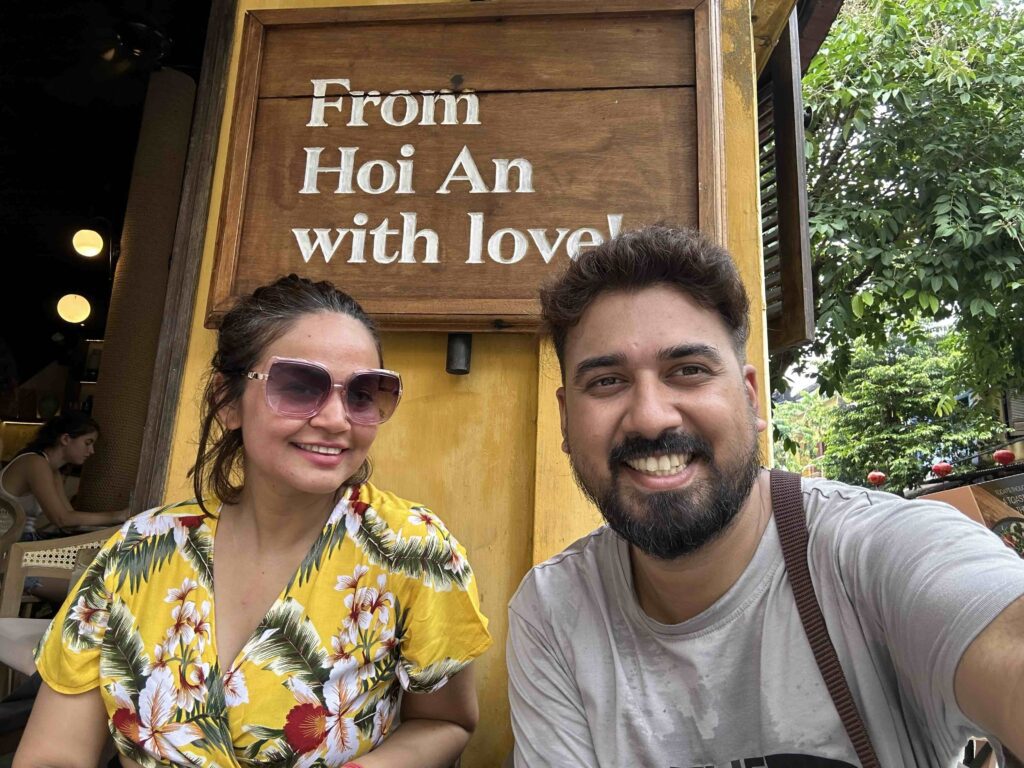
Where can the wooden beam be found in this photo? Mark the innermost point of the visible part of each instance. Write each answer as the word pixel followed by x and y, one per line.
pixel 769 19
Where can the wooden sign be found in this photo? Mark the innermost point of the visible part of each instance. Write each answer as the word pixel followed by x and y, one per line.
pixel 439 162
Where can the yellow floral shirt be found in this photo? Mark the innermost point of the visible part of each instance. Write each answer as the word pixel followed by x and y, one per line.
pixel 384 601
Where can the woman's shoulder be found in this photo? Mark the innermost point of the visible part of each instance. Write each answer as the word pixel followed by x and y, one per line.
pixel 400 515
pixel 406 537
pixel 180 515
pixel 31 461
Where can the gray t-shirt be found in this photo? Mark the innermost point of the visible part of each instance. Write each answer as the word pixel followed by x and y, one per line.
pixel 904 587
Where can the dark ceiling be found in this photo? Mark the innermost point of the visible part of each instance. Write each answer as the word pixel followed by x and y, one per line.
pixel 73 76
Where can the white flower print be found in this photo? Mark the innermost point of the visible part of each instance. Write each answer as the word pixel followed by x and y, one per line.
pixel 379 600
pixel 153 523
pixel 91 621
pixel 201 625
pixel 386 645
pixel 158 733
pixel 235 690
pixel 192 684
pixel 180 594
pixel 423 516
pixel 351 582
pixel 382 719
pixel 343 699
pixel 161 655
pixel 359 615
pixel 182 629
pixel 456 562
pixel 338 652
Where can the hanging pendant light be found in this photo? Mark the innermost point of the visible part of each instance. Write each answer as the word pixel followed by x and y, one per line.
pixel 73 308
pixel 87 242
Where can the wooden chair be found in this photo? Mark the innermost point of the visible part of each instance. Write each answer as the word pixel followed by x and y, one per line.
pixel 50 558
pixel 12 523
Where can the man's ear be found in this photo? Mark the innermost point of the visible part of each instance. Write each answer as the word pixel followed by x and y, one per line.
pixel 563 421
pixel 750 388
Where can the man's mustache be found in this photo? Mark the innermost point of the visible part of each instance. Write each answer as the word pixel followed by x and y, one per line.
pixel 667 442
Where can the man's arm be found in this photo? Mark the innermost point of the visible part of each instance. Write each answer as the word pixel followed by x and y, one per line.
pixel 989 680
pixel 548 718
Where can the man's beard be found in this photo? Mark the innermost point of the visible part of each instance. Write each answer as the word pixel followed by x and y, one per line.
pixel 671 524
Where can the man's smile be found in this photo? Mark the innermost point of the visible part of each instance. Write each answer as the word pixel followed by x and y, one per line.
pixel 663 465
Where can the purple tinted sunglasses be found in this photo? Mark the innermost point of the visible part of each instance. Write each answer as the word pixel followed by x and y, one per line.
pixel 299 389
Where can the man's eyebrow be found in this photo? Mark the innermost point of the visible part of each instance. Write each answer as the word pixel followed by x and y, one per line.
pixel 691 350
pixel 598 361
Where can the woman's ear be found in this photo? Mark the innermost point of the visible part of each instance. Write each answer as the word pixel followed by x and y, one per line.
pixel 64 440
pixel 230 416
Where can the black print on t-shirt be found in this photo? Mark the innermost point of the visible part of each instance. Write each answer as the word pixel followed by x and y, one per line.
pixel 781 761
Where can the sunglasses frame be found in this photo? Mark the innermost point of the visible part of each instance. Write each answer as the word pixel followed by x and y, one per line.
pixel 343 386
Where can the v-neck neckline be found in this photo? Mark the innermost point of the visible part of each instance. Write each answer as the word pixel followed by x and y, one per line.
pixel 239 657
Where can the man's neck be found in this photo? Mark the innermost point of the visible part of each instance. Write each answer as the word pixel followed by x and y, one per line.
pixel 672 591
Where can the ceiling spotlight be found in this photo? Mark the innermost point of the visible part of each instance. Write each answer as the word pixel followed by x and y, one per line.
pixel 73 308
pixel 88 242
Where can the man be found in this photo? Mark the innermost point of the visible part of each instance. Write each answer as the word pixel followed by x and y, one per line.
pixel 670 638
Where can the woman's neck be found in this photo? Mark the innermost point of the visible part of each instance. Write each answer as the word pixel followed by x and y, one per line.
pixel 55 457
pixel 278 520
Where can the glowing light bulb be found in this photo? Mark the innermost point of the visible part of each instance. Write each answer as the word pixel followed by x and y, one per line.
pixel 73 308
pixel 88 242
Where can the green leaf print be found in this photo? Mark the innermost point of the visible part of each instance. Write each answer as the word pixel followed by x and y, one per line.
pixel 122 657
pixel 198 550
pixel 128 748
pixel 140 555
pixel 216 735
pixel 375 539
pixel 269 752
pixel 330 538
pixel 83 623
pixel 287 642
pixel 364 718
pixel 433 675
pixel 215 690
pixel 432 560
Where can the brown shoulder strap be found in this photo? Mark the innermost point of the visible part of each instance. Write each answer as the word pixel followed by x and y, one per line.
pixel 791 521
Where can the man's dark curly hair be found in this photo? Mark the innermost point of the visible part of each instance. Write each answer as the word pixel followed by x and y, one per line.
pixel 648 257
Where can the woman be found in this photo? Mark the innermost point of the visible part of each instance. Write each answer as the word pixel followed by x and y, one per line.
pixel 35 480
pixel 331 598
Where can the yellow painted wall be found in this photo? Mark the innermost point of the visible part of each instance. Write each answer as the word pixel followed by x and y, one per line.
pixel 484 450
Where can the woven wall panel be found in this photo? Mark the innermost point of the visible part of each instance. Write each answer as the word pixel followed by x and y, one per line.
pixel 137 299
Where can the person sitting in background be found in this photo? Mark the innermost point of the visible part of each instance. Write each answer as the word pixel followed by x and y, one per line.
pixel 34 478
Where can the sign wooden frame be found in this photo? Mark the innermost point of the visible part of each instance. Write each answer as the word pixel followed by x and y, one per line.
pixel 472 314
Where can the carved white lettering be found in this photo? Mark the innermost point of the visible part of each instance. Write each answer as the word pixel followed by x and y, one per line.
pixel 464 169
pixel 540 239
pixel 387 110
pixel 501 169
pixel 409 237
pixel 316 114
pixel 380 243
pixel 314 169
pixel 422 105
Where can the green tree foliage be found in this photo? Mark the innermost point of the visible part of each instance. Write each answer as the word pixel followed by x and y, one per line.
pixel 915 157
pixel 896 416
pixel 800 426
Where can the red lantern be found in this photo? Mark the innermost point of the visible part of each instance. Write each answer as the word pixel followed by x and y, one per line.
pixel 876 478
pixel 942 468
pixel 1004 456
